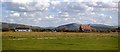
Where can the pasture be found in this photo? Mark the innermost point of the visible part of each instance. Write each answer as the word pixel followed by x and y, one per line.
pixel 59 41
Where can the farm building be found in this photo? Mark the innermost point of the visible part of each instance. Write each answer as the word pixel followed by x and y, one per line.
pixel 23 29
pixel 85 28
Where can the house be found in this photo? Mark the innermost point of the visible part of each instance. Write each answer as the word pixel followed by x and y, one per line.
pixel 23 29
pixel 85 28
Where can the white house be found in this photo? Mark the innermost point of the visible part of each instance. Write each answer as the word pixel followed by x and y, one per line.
pixel 23 29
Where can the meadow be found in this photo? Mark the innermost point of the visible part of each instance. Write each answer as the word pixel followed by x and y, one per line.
pixel 59 41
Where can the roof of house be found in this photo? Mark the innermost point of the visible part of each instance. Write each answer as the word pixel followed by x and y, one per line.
pixel 22 27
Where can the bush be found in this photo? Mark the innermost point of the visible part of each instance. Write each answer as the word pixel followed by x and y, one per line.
pixel 36 30
pixel 5 29
pixel 94 30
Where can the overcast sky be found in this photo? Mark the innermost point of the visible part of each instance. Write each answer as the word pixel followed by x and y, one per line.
pixel 52 13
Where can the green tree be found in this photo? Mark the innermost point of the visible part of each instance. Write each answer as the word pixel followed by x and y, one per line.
pixel 94 30
pixel 64 28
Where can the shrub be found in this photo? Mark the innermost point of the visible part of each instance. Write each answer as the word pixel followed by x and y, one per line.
pixel 5 29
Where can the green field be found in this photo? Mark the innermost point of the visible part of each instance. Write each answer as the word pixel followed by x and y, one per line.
pixel 59 41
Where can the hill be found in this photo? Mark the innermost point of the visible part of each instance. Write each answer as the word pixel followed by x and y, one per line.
pixel 12 25
pixel 71 26
pixel 75 26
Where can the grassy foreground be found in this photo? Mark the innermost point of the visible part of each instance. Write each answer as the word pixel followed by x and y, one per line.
pixel 59 41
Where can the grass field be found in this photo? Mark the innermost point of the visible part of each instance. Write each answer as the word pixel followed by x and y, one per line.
pixel 59 41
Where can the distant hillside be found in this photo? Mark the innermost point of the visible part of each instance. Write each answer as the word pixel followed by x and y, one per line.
pixel 12 25
pixel 71 26
pixel 75 26
pixel 102 27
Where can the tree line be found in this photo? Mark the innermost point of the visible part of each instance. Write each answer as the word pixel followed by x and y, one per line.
pixel 62 29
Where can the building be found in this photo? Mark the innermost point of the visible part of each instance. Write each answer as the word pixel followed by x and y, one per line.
pixel 85 28
pixel 23 29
